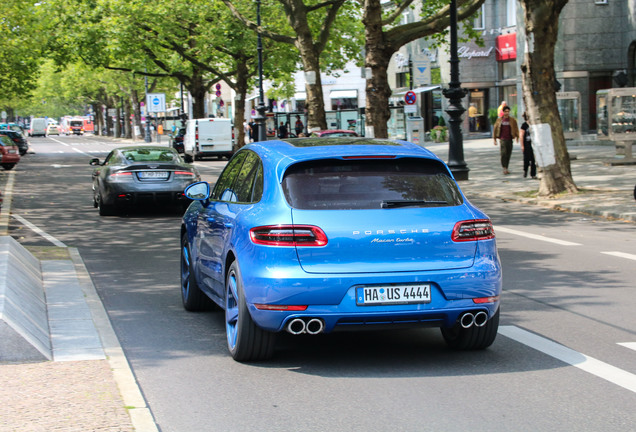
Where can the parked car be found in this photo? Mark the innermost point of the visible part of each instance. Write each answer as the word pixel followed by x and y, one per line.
pixel 176 139
pixel 10 152
pixel 52 129
pixel 138 175
pixel 333 133
pixel 19 139
pixel 313 235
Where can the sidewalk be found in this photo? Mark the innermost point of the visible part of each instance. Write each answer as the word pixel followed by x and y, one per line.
pixel 605 190
pixel 88 387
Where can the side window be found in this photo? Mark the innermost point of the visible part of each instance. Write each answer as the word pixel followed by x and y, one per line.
pixel 245 181
pixel 110 159
pixel 223 189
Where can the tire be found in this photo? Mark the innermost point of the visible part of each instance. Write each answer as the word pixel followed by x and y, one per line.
pixel 194 300
pixel 472 338
pixel 245 340
pixel 105 209
pixel 8 166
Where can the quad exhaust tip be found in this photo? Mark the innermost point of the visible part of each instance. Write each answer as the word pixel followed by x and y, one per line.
pixel 311 326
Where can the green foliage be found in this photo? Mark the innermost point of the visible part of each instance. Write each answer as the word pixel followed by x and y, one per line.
pixel 441 121
pixel 492 115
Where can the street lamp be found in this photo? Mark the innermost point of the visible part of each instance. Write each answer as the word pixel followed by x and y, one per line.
pixel 260 109
pixel 455 93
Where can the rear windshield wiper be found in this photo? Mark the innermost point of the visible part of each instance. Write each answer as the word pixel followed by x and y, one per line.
pixel 409 203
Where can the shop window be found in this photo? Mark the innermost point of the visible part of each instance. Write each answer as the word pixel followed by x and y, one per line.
pixel 478 19
pixel 509 70
pixel 344 103
pixel 511 13
pixel 401 79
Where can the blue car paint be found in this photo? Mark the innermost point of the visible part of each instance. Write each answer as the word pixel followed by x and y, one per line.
pixel 277 275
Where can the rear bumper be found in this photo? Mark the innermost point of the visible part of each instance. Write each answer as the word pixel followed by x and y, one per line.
pixel 332 298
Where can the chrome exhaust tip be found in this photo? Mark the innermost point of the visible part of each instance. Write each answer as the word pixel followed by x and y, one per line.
pixel 296 326
pixel 315 326
pixel 481 318
pixel 467 320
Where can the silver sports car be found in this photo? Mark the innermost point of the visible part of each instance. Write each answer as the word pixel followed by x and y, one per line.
pixel 141 175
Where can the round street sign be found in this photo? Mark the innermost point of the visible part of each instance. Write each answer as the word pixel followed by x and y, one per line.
pixel 410 97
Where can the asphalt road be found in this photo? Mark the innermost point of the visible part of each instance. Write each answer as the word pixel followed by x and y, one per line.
pixel 565 358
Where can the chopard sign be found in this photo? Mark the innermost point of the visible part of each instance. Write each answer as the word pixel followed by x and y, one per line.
pixel 468 52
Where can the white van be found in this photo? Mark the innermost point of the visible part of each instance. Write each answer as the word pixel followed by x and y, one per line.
pixel 208 137
pixel 38 127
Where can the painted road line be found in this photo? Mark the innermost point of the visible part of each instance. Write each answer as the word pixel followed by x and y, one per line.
pixel 81 152
pixel 535 236
pixel 37 230
pixel 630 345
pixel 588 364
pixel 621 255
pixel 60 142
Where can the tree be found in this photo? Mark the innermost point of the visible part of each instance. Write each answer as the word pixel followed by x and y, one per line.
pixel 383 39
pixel 312 26
pixel 539 94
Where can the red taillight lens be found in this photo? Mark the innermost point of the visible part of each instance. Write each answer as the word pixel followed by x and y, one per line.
pixel 121 175
pixel 183 174
pixel 472 230
pixel 280 307
pixel 288 235
pixel 483 300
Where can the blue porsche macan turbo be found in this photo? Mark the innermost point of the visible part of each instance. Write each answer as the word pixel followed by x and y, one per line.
pixel 315 235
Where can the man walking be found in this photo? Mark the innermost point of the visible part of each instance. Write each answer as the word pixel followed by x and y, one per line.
pixel 506 129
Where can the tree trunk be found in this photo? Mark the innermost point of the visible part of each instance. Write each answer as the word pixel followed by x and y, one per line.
pixel 242 79
pixel 197 89
pixel 134 101
pixel 377 58
pixel 539 78
pixel 317 119
pixel 127 117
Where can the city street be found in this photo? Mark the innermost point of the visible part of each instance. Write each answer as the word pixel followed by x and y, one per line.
pixel 564 359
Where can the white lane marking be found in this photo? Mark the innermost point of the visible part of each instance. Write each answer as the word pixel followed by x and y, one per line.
pixel 81 152
pixel 630 345
pixel 535 236
pixel 58 141
pixel 621 255
pixel 37 230
pixel 588 364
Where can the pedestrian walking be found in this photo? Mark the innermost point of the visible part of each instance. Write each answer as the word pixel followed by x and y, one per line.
pixel 500 108
pixel 472 117
pixel 282 130
pixel 298 126
pixel 506 130
pixel 526 147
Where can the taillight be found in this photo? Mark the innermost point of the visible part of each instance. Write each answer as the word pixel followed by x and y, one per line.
pixel 482 300
pixel 273 307
pixel 288 235
pixel 183 174
pixel 121 176
pixel 472 230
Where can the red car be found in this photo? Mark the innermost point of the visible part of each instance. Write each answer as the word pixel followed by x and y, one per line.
pixel 332 133
pixel 9 153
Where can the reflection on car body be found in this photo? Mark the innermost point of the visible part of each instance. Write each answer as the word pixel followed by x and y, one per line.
pixel 134 176
pixel 314 235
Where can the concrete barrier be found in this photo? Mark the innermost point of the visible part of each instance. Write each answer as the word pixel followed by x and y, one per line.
pixel 24 326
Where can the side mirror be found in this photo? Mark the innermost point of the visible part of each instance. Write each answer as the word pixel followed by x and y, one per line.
pixel 199 191
pixel 94 161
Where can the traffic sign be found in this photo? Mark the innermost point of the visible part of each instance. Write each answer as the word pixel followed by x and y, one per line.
pixel 410 97
pixel 156 102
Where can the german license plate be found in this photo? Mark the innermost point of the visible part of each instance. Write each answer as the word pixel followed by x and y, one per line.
pixel 154 174
pixel 393 294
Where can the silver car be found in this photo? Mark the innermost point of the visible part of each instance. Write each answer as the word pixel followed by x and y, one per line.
pixel 141 176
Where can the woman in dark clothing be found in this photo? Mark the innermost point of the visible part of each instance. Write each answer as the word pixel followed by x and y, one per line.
pixel 526 148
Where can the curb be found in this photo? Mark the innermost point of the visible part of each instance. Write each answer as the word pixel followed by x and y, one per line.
pixel 134 401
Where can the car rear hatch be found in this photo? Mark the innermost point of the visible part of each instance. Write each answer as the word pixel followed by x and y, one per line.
pixel 379 215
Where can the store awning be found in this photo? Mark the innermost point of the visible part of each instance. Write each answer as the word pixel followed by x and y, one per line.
pixel 300 96
pixel 251 98
pixel 343 94
pixel 418 90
